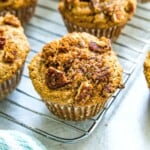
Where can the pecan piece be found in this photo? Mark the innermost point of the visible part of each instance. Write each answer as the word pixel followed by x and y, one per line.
pixel 102 73
pixel 84 92
pixel 99 47
pixel 93 46
pixel 55 78
pixel 130 7
pixel 2 42
pixel 11 20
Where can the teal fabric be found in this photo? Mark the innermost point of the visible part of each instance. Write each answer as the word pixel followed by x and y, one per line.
pixel 21 140
pixel 3 144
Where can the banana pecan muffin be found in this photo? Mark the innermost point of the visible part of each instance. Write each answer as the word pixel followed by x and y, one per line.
pixel 147 68
pixel 76 75
pixel 14 48
pixel 98 17
pixel 23 9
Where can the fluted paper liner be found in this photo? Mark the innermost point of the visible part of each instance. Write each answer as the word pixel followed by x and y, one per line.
pixel 9 85
pixel 74 113
pixel 111 33
pixel 24 14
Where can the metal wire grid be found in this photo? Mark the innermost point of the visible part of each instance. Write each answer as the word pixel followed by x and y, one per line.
pixel 25 108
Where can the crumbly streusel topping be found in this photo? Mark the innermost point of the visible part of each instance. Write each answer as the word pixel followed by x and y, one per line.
pixel 16 3
pixel 98 12
pixel 13 46
pixel 81 65
pixel 147 68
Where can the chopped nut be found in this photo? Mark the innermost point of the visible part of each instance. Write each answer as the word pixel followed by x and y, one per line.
pixel 94 47
pixel 11 20
pixel 108 88
pixel 1 32
pixel 2 42
pixel 84 92
pixel 102 73
pixel 55 78
pixel 10 50
pixel 130 7
pixel 99 47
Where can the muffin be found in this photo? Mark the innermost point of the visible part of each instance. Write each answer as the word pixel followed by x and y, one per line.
pixel 98 17
pixel 147 69
pixel 15 140
pixel 14 48
pixel 76 75
pixel 23 9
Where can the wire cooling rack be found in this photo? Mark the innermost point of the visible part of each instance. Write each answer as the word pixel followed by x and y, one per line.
pixel 24 106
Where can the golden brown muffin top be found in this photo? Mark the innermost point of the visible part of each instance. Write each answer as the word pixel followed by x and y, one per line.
pixel 16 3
pixel 78 69
pixel 147 60
pixel 147 68
pixel 101 13
pixel 13 46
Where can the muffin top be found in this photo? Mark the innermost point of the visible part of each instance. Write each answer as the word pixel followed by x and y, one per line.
pixel 97 13
pixel 13 46
pixel 78 69
pixel 16 3
pixel 147 68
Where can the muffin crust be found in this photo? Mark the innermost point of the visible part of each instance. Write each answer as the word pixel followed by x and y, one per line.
pixel 16 3
pixel 78 70
pixel 13 47
pixel 97 13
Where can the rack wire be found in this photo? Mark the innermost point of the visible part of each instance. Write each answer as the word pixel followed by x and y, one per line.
pixel 24 106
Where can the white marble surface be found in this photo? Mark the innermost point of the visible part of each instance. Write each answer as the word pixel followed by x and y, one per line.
pixel 128 128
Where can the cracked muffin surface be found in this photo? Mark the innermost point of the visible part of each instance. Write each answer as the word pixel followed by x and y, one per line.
pixel 78 69
pixel 16 3
pixel 97 13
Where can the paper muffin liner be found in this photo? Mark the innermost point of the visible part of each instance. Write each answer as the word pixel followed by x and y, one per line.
pixel 9 85
pixel 24 14
pixel 111 33
pixel 74 113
